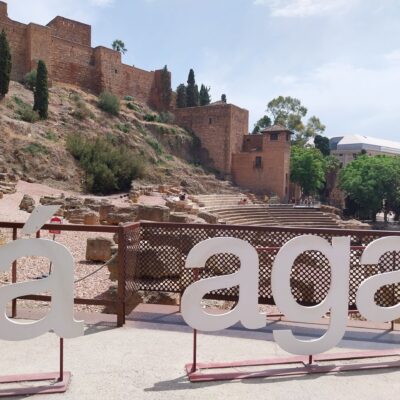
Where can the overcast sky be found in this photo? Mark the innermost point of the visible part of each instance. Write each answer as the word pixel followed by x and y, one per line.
pixel 341 58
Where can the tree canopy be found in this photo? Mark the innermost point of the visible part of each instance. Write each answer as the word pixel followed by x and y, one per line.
pixel 322 144
pixel 307 169
pixel 166 91
pixel 41 94
pixel 289 112
pixel 181 96
pixel 119 45
pixel 192 91
pixel 261 124
pixel 5 64
pixel 373 185
pixel 204 96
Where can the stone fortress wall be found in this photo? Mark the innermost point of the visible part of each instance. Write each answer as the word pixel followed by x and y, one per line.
pixel 226 146
pixel 65 46
pixel 220 128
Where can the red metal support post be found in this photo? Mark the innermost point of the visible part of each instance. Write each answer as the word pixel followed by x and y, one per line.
pixel 14 278
pixel 121 277
pixel 194 365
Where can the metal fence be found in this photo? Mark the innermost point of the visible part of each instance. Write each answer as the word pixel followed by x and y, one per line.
pixel 164 248
pixel 151 257
pixel 11 231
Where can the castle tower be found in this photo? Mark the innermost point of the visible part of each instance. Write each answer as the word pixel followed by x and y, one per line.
pixel 263 165
pixel 3 10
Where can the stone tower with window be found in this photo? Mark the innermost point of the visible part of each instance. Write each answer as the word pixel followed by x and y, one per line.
pixel 263 165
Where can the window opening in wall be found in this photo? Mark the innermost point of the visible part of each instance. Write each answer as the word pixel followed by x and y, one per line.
pixel 274 136
pixel 258 162
pixel 288 137
pixel 116 71
pixel 210 121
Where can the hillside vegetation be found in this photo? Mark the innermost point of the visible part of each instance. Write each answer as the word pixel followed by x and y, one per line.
pixel 41 151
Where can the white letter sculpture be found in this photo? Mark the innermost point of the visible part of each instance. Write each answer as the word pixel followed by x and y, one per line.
pixel 338 256
pixel 366 292
pixel 246 310
pixel 60 282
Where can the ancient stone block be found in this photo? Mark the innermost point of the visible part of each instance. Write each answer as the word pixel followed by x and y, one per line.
pixel 27 203
pixel 153 213
pixel 99 249
pixel 91 218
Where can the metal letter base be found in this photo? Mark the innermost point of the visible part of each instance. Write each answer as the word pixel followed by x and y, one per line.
pixel 59 385
pixel 203 372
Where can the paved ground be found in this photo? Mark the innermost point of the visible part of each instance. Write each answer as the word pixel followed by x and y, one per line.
pixel 145 360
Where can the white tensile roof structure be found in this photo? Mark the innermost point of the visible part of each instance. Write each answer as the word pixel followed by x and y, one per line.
pixel 360 142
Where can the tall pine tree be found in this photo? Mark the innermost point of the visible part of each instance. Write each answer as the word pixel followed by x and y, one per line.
pixel 5 64
pixel 205 98
pixel 41 95
pixel 181 96
pixel 192 91
pixel 166 91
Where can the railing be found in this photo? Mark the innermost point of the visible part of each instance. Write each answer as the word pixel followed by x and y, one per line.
pixel 151 257
pixel 164 247
pixel 126 234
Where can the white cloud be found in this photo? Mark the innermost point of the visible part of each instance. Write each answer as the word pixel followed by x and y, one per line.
pixel 305 8
pixel 351 99
pixel 393 56
pixel 102 3
pixel 45 10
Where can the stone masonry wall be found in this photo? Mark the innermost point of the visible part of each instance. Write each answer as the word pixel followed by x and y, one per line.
pixel 65 46
pixel 17 36
pixel 73 31
pixel 272 176
pixel 220 127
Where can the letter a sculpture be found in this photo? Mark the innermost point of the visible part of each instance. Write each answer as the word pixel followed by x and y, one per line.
pixel 60 283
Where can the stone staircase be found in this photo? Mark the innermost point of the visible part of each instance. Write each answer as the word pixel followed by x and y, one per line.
pixel 227 210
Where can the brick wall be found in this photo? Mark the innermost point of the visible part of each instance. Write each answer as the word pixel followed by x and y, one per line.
pixel 72 64
pixel 73 31
pixel 270 175
pixel 39 43
pixel 219 127
pixel 3 9
pixel 65 46
pixel 17 36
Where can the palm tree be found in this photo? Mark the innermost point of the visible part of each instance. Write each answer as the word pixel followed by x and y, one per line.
pixel 119 45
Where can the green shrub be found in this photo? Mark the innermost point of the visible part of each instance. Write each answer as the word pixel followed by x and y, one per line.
pixel 150 117
pixel 50 135
pixel 155 144
pixel 74 97
pixel 109 103
pixel 26 113
pixel 133 107
pixel 124 127
pixel 35 148
pixel 30 80
pixel 18 101
pixel 166 118
pixel 109 168
pixel 81 111
pixel 128 98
